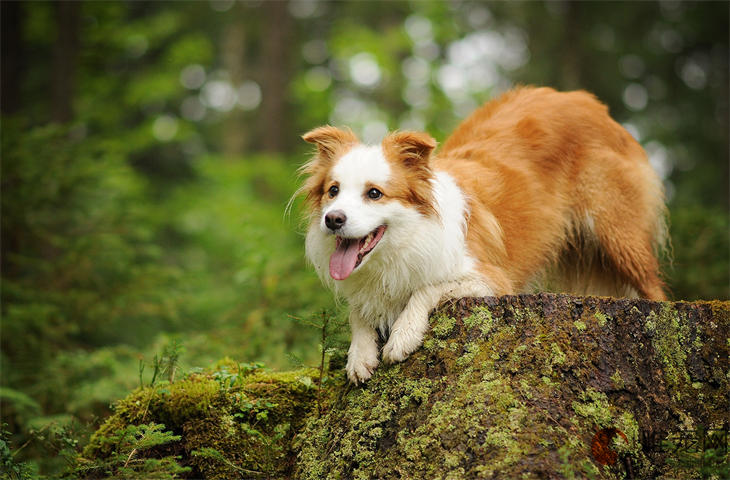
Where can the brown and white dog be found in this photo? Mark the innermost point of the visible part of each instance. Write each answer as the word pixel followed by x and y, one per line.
pixel 536 190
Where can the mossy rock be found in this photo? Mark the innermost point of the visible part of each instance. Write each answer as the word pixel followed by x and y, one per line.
pixel 231 422
pixel 530 386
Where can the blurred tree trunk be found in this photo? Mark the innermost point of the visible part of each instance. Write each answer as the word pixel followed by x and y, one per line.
pixel 11 15
pixel 570 62
pixel 12 56
pixel 235 134
pixel 275 75
pixel 65 53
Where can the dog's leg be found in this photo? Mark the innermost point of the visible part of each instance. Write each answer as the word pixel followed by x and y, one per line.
pixel 629 247
pixel 362 358
pixel 627 217
pixel 406 334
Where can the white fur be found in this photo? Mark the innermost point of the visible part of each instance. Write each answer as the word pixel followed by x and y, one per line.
pixel 420 261
pixel 362 216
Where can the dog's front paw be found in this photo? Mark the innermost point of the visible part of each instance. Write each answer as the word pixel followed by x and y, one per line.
pixel 400 345
pixel 360 367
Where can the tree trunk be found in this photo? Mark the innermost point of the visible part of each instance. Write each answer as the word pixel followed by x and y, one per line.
pixel 276 74
pixel 65 54
pixel 570 61
pixel 235 134
pixel 12 56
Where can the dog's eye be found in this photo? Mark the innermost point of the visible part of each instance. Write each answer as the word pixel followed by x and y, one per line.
pixel 333 191
pixel 374 193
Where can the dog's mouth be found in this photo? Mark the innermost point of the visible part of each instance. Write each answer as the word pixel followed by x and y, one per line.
pixel 349 252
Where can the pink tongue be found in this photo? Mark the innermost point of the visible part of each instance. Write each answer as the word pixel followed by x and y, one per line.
pixel 344 258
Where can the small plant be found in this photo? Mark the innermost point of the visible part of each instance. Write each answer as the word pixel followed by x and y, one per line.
pixel 258 409
pixel 329 346
pixel 165 364
pixel 10 469
pixel 228 379
pixel 126 460
pixel 254 414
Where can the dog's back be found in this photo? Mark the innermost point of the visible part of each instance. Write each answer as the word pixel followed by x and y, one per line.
pixel 561 196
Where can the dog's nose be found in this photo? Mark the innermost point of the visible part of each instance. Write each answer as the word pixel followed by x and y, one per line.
pixel 335 219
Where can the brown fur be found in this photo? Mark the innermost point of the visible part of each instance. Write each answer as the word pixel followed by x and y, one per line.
pixel 408 154
pixel 331 144
pixel 542 163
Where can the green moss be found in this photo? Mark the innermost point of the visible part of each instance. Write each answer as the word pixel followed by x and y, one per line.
pixel 669 339
pixel 601 318
pixel 481 318
pixel 617 380
pixel 434 344
pixel 626 423
pixel 558 357
pixel 573 462
pixel 580 325
pixel 418 391
pixel 594 406
pixel 472 410
pixel 443 326
pixel 227 426
pixel 549 382
pixel 471 350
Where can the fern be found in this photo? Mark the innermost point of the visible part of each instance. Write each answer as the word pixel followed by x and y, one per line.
pixel 127 460
pixel 10 469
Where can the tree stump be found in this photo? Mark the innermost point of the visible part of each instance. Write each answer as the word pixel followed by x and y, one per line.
pixel 528 386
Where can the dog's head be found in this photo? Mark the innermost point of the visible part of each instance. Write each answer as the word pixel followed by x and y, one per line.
pixel 360 195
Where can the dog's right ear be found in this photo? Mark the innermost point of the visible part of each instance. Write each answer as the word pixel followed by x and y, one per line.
pixel 330 141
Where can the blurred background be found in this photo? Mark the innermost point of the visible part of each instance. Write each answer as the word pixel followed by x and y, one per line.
pixel 149 150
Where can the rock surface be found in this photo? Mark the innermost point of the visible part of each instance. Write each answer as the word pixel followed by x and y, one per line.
pixel 529 386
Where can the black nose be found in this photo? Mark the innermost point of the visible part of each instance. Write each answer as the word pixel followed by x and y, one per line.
pixel 335 219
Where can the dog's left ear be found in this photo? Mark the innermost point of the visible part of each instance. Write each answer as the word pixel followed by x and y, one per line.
pixel 412 148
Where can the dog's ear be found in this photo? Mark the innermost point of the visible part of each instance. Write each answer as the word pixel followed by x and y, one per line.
pixel 412 148
pixel 330 141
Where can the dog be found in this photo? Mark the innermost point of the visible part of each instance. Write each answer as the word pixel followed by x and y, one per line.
pixel 536 190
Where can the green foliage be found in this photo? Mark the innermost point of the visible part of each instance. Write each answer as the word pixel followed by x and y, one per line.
pixel 701 266
pixel 95 271
pixel 228 379
pixel 166 364
pixel 130 455
pixel 212 455
pixel 80 271
pixel 332 350
pixel 243 271
pixel 10 469
pixel 57 436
